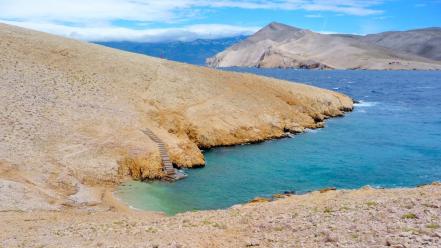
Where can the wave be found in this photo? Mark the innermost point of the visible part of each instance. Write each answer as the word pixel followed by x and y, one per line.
pixel 363 104
pixel 307 130
pixel 290 135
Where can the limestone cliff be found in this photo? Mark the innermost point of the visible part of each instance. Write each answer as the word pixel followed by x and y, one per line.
pixel 282 46
pixel 71 113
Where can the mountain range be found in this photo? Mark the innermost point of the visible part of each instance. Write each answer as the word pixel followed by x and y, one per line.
pixel 281 46
pixel 192 52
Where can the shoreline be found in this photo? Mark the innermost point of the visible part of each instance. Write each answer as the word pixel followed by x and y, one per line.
pixel 119 204
pixel 400 217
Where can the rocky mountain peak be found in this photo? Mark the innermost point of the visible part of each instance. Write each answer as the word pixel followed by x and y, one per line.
pixel 276 32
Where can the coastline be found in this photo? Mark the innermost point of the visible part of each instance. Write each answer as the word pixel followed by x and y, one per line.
pixel 400 217
pixel 117 203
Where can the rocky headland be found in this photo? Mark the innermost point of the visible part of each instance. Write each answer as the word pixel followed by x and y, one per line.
pixel 72 115
pixel 282 46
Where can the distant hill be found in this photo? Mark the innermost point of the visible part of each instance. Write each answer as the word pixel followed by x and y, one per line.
pixel 193 52
pixel 282 46
pixel 422 42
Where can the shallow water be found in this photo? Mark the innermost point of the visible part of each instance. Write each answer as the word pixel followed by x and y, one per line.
pixel 392 139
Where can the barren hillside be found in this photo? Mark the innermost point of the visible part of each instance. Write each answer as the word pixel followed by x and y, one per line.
pixel 422 42
pixel 281 46
pixel 71 115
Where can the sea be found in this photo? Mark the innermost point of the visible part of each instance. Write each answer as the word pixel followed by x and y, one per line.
pixel 391 139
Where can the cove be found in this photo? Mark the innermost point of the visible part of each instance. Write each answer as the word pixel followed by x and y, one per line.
pixel 392 139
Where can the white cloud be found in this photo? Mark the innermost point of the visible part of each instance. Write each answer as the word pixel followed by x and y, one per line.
pixel 103 19
pixel 111 33
pixel 163 10
pixel 314 16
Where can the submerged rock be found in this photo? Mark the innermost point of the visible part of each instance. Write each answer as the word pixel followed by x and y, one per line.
pixel 260 200
pixel 327 189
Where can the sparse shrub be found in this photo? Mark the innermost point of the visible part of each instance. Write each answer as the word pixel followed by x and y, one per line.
pixel 433 226
pixel 327 210
pixel 206 222
pixel 278 228
pixel 409 216
pixel 344 208
pixel 221 226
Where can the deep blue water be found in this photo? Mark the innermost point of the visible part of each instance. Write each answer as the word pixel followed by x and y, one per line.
pixel 392 139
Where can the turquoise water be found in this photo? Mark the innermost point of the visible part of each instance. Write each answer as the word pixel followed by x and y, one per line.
pixel 392 139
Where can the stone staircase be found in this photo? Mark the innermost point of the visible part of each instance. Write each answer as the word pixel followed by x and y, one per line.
pixel 171 174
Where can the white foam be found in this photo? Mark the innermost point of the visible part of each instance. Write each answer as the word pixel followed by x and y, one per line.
pixel 311 130
pixel 363 104
pixel 290 135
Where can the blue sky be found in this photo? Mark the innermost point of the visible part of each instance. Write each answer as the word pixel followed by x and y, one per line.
pixel 158 20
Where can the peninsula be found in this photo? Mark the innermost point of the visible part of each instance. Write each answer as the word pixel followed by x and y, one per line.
pixel 73 116
pixel 281 46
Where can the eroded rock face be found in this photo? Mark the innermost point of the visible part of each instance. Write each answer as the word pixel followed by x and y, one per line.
pixel 72 111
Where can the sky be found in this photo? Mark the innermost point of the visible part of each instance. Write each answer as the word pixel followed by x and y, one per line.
pixel 185 20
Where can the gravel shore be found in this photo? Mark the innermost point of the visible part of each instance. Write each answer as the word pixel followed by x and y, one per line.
pixel 344 218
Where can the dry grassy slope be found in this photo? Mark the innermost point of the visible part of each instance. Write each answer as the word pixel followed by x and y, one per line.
pixel 71 113
pixel 278 45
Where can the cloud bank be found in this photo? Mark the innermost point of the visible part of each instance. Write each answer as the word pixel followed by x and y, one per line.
pixel 100 20
pixel 110 33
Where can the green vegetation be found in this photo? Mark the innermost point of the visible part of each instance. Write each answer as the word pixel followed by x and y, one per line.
pixel 327 210
pixel 409 216
pixel 433 226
